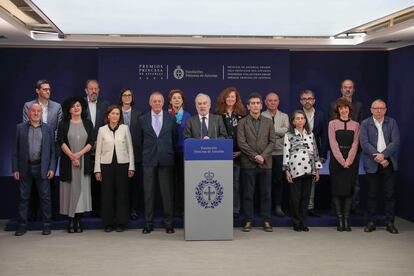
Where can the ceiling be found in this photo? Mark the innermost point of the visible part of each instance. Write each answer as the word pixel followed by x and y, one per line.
pixel 299 25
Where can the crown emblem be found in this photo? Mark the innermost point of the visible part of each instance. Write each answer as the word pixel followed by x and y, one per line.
pixel 209 175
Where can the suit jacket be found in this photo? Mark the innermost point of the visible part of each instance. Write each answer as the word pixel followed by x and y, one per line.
pixel 252 144
pixel 65 162
pixel 320 132
pixel 368 138
pixel 136 135
pixel 216 128
pixel 158 150
pixel 107 142
pixel 54 114
pixel 101 107
pixel 20 155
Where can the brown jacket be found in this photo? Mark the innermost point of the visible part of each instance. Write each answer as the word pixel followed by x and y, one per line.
pixel 252 144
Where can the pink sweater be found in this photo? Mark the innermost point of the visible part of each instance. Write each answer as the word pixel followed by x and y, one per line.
pixel 335 125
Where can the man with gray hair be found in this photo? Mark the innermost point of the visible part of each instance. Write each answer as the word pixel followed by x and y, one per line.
pixel 204 125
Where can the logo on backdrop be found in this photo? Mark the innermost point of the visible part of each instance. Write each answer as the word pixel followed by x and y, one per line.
pixel 209 192
pixel 178 72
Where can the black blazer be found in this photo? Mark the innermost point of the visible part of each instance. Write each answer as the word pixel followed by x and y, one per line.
pixel 320 132
pixel 158 150
pixel 101 107
pixel 216 128
pixel 136 134
pixel 65 162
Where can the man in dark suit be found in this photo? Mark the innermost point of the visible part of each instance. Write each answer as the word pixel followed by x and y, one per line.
pixel 96 113
pixel 204 125
pixel 159 136
pixel 256 139
pixel 380 143
pixel 51 115
pixel 33 159
pixel 348 91
pixel 319 126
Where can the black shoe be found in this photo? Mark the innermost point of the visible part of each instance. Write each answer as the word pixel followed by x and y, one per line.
pixel 347 227
pixel 247 226
pixel 71 225
pixel 46 230
pixel 305 229
pixel 134 215
pixel 391 228
pixel 297 228
pixel 120 228
pixel 147 229
pixel 78 225
pixel 279 212
pixel 370 227
pixel 312 213
pixel 267 227
pixel 169 230
pixel 340 223
pixel 21 230
pixel 109 228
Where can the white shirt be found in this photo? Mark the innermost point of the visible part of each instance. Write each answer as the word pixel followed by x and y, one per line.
pixel 44 112
pixel 381 146
pixel 311 118
pixel 92 110
pixel 201 119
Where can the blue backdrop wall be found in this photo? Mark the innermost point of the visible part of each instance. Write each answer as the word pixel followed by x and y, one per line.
pixel 193 71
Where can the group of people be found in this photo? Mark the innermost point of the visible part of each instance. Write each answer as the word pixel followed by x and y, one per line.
pixel 107 152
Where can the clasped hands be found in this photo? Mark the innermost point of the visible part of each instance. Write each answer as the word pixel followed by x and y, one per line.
pixel 380 158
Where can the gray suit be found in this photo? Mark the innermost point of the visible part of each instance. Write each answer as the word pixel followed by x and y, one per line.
pixel 216 128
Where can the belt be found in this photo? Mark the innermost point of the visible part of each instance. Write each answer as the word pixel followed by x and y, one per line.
pixel 35 162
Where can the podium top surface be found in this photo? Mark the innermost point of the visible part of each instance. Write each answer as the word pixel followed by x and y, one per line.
pixel 208 149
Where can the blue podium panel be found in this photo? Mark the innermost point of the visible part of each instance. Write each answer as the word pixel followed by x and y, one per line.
pixel 208 212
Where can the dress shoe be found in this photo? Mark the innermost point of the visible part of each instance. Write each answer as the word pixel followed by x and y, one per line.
pixel 147 229
pixel 297 228
pixel 21 230
pixel 267 227
pixel 370 227
pixel 71 225
pixel 305 229
pixel 120 228
pixel 109 228
pixel 279 212
pixel 134 215
pixel 169 230
pixel 340 223
pixel 46 230
pixel 247 226
pixel 312 213
pixel 78 225
pixel 391 228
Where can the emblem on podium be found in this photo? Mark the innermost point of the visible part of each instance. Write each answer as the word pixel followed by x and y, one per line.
pixel 209 192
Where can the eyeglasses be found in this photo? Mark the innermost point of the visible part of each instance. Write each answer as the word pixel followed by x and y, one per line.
pixel 127 95
pixel 378 108
pixel 307 99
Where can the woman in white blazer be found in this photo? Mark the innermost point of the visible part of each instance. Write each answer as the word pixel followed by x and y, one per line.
pixel 114 163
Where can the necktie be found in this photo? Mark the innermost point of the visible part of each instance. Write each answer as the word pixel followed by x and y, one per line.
pixel 157 128
pixel 204 131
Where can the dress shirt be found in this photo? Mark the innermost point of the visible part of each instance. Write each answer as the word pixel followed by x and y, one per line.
pixel 35 142
pixel 155 126
pixel 311 118
pixel 127 117
pixel 92 110
pixel 201 119
pixel 44 112
pixel 381 146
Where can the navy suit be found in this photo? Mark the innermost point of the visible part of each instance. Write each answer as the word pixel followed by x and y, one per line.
pixel 38 172
pixel 158 160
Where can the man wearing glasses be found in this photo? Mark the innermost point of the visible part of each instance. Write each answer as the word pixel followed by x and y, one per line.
pixel 318 125
pixel 380 142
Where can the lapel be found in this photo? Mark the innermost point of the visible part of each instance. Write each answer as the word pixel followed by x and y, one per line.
pixel 25 136
pixel 211 126
pixel 164 122
pixel 148 122
pixel 197 127
pixel 251 126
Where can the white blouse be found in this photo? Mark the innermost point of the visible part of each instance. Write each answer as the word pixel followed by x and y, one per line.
pixel 300 154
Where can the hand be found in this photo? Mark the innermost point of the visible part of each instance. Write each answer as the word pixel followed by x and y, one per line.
pixel 130 174
pixel 50 174
pixel 317 176
pixel 16 176
pixel 289 177
pixel 75 163
pixel 77 155
pixel 385 163
pixel 378 157
pixel 98 176
pixel 259 159
pixel 236 154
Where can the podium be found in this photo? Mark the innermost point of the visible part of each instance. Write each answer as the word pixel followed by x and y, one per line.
pixel 208 174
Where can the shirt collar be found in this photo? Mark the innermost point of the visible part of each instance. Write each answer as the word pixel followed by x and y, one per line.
pixel 155 114
pixel 377 122
pixel 30 124
pixel 298 133
pixel 201 116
